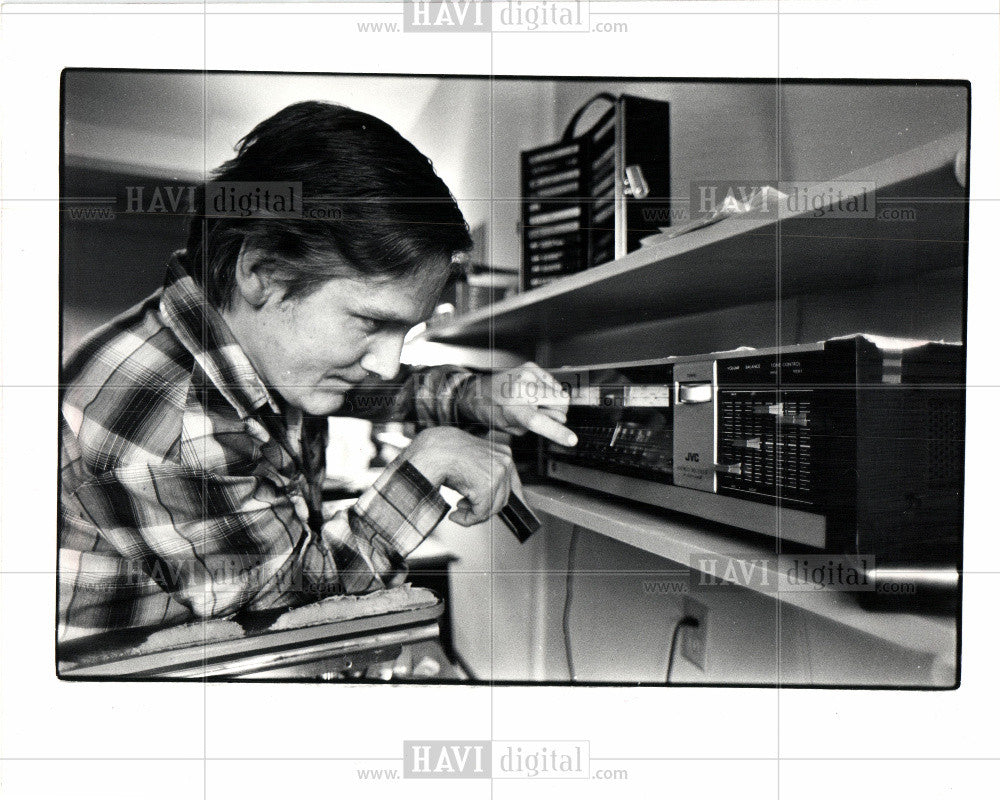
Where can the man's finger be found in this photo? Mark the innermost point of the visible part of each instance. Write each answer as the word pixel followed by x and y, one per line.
pixel 497 447
pixel 558 416
pixel 463 513
pixel 553 393
pixel 498 438
pixel 480 507
pixel 544 389
pixel 463 516
pixel 550 429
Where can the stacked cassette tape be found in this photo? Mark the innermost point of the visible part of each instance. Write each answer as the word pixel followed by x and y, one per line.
pixel 554 182
pixel 602 192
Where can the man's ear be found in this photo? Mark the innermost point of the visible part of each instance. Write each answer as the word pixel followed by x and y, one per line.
pixel 254 277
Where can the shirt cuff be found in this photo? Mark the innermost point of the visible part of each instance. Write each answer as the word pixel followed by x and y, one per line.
pixel 402 506
pixel 470 410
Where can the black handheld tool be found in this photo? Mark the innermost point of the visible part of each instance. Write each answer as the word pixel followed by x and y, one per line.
pixel 519 518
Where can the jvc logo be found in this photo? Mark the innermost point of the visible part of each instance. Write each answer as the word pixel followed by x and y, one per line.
pixel 447 759
pixel 692 457
pixel 447 15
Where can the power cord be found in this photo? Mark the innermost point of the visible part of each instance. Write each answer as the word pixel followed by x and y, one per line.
pixel 574 536
pixel 683 622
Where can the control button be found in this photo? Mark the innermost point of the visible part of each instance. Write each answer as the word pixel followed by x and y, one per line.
pixel 750 444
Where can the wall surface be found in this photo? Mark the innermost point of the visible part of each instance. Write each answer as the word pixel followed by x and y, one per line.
pixel 816 131
pixel 829 130
pixel 110 264
pixel 509 601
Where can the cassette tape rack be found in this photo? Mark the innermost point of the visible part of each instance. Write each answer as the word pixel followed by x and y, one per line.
pixel 579 208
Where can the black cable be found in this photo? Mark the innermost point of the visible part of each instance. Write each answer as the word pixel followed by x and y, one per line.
pixel 571 125
pixel 683 622
pixel 569 597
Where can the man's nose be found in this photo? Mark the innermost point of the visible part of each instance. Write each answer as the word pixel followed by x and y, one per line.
pixel 382 357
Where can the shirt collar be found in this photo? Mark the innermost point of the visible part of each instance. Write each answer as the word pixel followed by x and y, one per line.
pixel 202 330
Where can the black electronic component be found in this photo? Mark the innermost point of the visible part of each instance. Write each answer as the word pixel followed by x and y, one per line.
pixel 852 445
pixel 519 518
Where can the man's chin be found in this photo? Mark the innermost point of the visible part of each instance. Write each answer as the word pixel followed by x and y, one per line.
pixel 322 403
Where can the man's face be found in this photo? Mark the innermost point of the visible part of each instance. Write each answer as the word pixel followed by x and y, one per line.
pixel 311 350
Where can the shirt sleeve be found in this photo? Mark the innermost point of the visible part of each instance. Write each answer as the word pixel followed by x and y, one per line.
pixel 371 540
pixel 222 543
pixel 427 396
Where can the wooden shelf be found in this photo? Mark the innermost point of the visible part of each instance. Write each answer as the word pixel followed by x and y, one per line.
pixel 742 260
pixel 676 538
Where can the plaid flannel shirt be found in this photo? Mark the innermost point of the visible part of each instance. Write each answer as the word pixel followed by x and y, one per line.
pixel 186 493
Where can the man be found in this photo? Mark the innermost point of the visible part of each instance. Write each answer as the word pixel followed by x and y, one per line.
pixel 193 426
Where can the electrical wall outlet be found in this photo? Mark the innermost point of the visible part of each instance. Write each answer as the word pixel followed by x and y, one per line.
pixel 694 641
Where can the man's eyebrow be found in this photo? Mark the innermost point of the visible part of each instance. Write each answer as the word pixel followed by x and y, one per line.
pixel 382 315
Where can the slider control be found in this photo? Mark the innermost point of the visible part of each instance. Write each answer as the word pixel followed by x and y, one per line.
pixel 750 444
pixel 778 410
pixel 729 469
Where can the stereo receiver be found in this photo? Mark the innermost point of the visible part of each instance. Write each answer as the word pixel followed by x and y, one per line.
pixel 852 445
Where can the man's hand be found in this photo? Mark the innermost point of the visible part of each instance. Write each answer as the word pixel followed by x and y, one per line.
pixel 481 471
pixel 523 399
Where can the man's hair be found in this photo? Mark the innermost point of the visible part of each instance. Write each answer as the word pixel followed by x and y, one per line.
pixel 368 196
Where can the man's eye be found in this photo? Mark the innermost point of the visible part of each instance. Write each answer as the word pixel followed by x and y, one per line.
pixel 370 324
